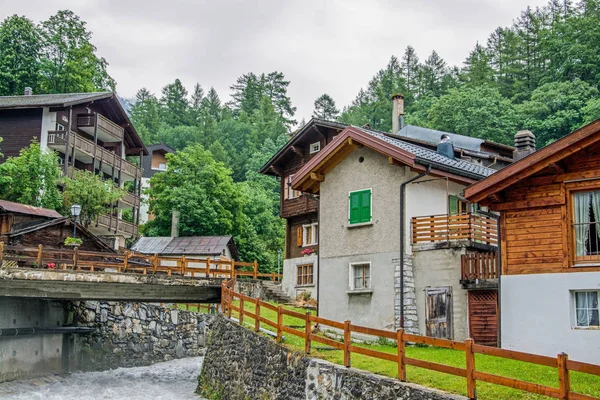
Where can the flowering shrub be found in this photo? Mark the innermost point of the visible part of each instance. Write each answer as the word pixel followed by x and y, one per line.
pixel 307 251
pixel 51 265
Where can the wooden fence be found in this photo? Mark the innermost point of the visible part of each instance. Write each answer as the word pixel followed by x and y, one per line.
pixel 127 262
pixel 479 266
pixel 436 228
pixel 470 373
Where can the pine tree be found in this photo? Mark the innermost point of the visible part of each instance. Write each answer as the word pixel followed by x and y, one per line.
pixel 431 74
pixel 325 108
pixel 212 104
pixel 477 70
pixel 410 70
pixel 174 104
pixel 145 115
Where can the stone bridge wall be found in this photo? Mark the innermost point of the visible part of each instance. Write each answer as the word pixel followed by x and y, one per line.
pixel 259 368
pixel 134 334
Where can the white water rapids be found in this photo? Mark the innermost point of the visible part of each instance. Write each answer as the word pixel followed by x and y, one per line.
pixel 175 379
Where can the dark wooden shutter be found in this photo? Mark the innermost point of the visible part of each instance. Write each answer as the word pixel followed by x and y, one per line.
pixel 299 236
pixel 438 312
pixel 483 317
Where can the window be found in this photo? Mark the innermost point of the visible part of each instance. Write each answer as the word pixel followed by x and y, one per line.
pixel 457 206
pixel 162 166
pixel 289 192
pixel 315 147
pixel 310 234
pixel 586 224
pixel 360 207
pixel 586 308
pixel 360 276
pixel 59 127
pixel 304 274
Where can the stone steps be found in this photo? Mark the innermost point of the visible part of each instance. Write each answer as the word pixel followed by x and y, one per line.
pixel 274 292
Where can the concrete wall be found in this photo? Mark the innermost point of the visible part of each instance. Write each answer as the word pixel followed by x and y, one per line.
pixel 538 315
pixel 341 244
pixel 288 283
pixel 438 268
pixel 259 368
pixel 25 356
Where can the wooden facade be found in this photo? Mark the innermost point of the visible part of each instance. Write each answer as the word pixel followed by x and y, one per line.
pixel 18 127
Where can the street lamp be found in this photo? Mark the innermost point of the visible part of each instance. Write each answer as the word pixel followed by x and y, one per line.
pixel 75 211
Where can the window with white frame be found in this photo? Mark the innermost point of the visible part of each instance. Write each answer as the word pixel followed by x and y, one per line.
pixel 586 224
pixel 291 193
pixel 315 147
pixel 360 276
pixel 162 166
pixel 310 234
pixel 586 308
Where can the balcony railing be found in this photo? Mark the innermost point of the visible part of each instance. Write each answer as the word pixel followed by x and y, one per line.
pixel 117 225
pixel 131 200
pixel 477 267
pixel 104 124
pixel 445 228
pixel 58 139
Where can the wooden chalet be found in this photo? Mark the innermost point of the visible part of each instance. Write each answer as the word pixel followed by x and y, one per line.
pixel 549 206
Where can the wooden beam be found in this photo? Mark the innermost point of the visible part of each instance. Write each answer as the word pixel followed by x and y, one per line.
pixel 496 198
pixel 350 141
pixel 316 128
pixel 317 177
pixel 570 176
pixel 556 168
pixel 390 160
pixel 297 150
pixel 278 171
pixel 515 205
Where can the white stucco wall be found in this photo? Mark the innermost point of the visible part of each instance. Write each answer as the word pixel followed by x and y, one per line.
pixel 288 283
pixel 48 123
pixel 538 315
pixel 144 207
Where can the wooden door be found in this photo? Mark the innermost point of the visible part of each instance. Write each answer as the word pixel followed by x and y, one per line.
pixel 483 317
pixel 438 312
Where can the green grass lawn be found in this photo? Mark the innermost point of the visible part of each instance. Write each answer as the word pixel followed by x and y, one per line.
pixel 580 383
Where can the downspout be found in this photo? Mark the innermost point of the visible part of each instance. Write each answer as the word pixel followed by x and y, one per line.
pixel 402 234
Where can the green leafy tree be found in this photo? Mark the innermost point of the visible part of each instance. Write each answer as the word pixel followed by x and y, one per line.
pixel 20 47
pixel 325 108
pixel 31 178
pixel 69 62
pixel 92 193
pixel 591 111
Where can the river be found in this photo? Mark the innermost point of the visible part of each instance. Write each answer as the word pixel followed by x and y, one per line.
pixel 175 379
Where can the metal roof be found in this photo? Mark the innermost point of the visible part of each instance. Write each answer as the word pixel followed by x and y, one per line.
pixel 9 206
pixel 426 155
pixel 433 136
pixel 50 100
pixel 192 245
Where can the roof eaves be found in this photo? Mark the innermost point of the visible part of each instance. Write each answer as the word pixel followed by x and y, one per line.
pixel 100 96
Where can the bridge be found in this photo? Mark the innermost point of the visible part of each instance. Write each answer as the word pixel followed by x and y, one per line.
pixel 46 273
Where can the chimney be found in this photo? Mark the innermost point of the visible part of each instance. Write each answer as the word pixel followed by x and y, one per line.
pixel 524 144
pixel 397 113
pixel 28 91
pixel 175 223
pixel 446 147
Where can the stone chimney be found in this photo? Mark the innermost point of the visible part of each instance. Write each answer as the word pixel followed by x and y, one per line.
pixel 28 91
pixel 524 144
pixel 397 113
pixel 175 223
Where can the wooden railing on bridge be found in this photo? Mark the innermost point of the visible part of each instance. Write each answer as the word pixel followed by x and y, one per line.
pixel 469 347
pixel 479 266
pixel 127 262
pixel 436 228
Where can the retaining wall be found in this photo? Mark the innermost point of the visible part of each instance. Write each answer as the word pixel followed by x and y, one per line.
pixel 259 368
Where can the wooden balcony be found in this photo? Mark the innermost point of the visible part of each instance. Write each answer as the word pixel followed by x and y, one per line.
pixel 475 228
pixel 130 200
pixel 116 225
pixel 108 131
pixel 86 150
pixel 479 270
pixel 304 204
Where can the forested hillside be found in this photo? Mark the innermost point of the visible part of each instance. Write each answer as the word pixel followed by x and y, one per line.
pixel 542 73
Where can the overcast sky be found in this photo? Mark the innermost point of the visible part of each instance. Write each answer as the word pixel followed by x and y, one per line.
pixel 332 47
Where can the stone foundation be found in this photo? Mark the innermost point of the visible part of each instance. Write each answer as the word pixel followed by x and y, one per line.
pixel 411 319
pixel 241 365
pixel 136 334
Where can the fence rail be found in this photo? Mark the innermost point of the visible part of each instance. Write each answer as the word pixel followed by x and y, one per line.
pixel 436 228
pixel 470 372
pixel 127 262
pixel 479 266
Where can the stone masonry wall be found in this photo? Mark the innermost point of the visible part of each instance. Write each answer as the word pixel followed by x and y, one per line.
pixel 411 320
pixel 136 334
pixel 259 368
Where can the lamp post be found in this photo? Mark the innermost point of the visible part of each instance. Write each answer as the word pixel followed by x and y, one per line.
pixel 75 211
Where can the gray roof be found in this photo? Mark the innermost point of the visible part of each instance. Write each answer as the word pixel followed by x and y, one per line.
pixel 433 136
pixel 192 245
pixel 50 100
pixel 428 156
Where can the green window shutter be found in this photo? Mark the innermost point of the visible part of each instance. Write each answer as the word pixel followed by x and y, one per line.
pixel 360 207
pixel 452 205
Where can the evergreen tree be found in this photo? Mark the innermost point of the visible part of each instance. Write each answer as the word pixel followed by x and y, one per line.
pixel 20 47
pixel 410 70
pixel 174 104
pixel 212 104
pixel 196 103
pixel 478 71
pixel 325 108
pixel 431 75
pixel 145 115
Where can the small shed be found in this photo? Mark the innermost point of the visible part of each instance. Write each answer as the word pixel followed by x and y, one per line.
pixel 196 247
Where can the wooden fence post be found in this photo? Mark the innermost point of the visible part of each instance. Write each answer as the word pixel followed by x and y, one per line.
pixel 230 300
pixel 241 319
pixel 471 383
pixel 223 294
pixel 257 312
pixel 563 376
pixel 255 269
pixel 401 355
pixel 125 260
pixel 155 262
pixel 307 333
pixel 347 343
pixel 1 253
pixel 207 267
pixel 232 270
pixel 39 256
pixel 279 323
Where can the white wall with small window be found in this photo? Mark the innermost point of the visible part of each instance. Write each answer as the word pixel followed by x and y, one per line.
pixel 310 234
pixel 360 276
pixel 585 304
